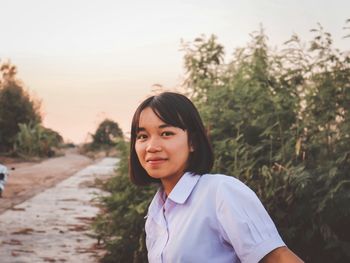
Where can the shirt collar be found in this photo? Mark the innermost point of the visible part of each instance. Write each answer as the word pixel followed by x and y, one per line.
pixel 183 188
pixel 179 194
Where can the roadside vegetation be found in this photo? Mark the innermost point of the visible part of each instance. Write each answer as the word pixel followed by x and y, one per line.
pixel 105 141
pixel 22 133
pixel 279 121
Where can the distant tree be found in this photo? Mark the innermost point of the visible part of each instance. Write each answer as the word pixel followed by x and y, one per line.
pixel 107 133
pixel 16 106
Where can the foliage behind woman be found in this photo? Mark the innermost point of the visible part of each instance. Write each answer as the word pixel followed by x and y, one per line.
pixel 279 122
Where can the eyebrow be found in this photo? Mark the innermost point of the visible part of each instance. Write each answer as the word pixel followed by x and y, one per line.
pixel 139 129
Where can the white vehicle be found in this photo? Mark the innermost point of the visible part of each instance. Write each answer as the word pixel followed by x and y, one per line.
pixel 3 177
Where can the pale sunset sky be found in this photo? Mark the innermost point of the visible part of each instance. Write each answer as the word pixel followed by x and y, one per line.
pixel 93 59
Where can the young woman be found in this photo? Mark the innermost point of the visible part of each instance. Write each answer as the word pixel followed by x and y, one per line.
pixel 195 216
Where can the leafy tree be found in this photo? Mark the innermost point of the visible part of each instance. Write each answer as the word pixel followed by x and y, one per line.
pixel 16 106
pixel 107 133
pixel 202 59
pixel 326 146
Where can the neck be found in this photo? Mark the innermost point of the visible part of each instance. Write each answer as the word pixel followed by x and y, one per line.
pixel 169 183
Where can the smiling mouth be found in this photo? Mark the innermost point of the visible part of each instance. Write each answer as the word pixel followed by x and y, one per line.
pixel 156 161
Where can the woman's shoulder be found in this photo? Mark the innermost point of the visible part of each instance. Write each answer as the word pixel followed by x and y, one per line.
pixel 224 184
pixel 218 179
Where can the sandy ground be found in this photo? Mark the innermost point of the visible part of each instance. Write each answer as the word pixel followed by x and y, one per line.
pixel 54 225
pixel 30 178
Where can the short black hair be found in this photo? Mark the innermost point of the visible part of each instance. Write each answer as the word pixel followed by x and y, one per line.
pixel 176 110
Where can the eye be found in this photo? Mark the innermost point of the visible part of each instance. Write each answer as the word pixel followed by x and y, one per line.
pixel 141 137
pixel 167 133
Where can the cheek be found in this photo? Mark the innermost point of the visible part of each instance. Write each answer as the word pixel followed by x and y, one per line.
pixel 139 151
pixel 183 150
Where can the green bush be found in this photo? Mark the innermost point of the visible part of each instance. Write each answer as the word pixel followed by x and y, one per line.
pixel 36 140
pixel 279 121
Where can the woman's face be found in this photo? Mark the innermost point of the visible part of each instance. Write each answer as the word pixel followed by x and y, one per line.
pixel 162 150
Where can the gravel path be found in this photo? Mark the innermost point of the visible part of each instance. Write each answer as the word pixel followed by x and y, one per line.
pixel 53 226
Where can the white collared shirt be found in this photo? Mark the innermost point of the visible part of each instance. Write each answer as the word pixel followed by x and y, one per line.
pixel 209 218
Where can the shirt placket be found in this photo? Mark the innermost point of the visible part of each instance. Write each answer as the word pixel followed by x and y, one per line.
pixel 165 212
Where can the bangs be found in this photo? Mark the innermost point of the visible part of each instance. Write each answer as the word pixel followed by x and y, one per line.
pixel 169 116
pixel 166 111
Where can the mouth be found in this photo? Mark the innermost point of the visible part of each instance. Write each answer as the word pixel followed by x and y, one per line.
pixel 154 161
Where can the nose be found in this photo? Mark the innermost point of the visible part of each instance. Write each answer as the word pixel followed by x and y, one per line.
pixel 153 145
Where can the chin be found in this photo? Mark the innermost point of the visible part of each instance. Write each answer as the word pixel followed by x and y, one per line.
pixel 155 175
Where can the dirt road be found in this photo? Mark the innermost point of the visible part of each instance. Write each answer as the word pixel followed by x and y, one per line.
pixel 54 225
pixel 29 179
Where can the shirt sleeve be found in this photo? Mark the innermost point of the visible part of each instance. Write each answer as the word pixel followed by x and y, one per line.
pixel 244 222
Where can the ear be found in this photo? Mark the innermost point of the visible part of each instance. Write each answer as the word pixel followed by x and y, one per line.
pixel 190 142
pixel 191 147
